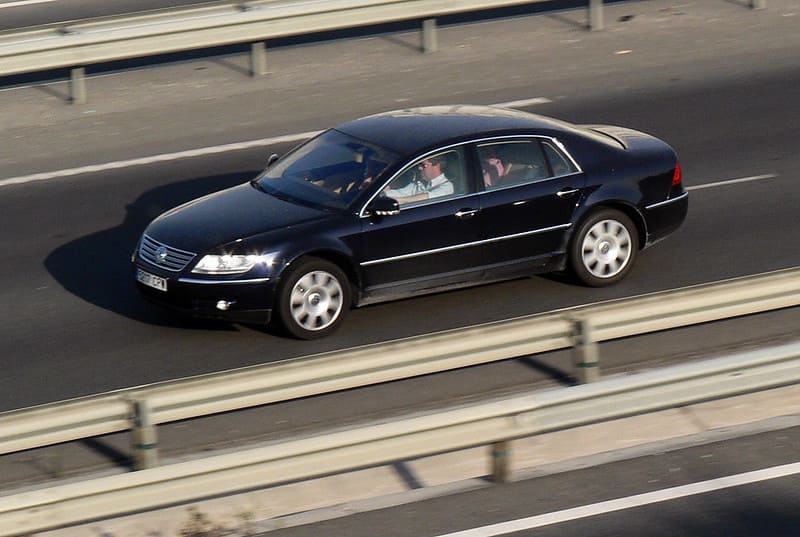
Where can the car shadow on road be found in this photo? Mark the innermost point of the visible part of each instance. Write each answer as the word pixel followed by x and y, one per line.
pixel 97 267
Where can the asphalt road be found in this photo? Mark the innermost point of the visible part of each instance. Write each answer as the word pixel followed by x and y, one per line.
pixel 719 82
pixel 579 503
pixel 78 326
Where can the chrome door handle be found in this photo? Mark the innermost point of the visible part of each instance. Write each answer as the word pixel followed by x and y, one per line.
pixel 564 192
pixel 466 213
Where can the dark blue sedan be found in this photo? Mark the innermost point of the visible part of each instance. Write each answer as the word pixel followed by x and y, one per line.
pixel 409 202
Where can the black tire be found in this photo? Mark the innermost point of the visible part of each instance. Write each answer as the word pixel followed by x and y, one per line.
pixel 604 248
pixel 313 298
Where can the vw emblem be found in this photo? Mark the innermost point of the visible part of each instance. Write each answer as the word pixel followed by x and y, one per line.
pixel 161 254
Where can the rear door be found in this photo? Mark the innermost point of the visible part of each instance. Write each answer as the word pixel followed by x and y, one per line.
pixel 531 188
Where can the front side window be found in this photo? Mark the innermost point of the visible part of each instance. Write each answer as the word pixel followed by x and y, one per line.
pixel 440 175
pixel 330 170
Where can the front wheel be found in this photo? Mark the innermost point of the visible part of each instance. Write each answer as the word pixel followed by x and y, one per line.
pixel 314 298
pixel 604 248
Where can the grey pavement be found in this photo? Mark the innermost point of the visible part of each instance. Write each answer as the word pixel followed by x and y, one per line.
pixel 646 44
pixel 199 103
pixel 659 494
pixel 404 482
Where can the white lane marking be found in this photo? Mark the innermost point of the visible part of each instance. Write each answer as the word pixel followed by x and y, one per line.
pixel 157 158
pixel 200 152
pixel 19 3
pixel 524 102
pixel 610 506
pixel 203 151
pixel 733 181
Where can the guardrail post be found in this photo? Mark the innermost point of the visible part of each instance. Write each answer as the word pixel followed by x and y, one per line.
pixel 430 43
pixel 258 59
pixel 587 357
pixel 758 4
pixel 595 14
pixel 145 439
pixel 77 85
pixel 501 461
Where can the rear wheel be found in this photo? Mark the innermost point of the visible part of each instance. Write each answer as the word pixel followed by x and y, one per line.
pixel 604 248
pixel 314 298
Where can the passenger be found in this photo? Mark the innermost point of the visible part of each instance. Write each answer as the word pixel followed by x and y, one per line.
pixel 432 183
pixel 493 170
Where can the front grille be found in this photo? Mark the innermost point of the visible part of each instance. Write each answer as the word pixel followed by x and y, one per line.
pixel 163 256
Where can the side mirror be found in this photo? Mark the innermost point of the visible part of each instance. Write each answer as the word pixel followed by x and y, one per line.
pixel 382 206
pixel 271 160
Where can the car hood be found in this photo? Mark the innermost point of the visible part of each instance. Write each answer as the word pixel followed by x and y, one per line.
pixel 228 216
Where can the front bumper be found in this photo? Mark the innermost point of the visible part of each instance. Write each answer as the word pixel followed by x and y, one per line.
pixel 243 300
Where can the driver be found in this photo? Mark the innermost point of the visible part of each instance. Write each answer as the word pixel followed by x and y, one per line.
pixel 432 183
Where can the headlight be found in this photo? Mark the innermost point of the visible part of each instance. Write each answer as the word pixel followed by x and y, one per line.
pixel 229 264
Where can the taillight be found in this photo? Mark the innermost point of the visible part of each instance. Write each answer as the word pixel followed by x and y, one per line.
pixel 677 176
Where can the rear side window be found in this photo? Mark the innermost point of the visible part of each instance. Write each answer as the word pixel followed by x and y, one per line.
pixel 511 162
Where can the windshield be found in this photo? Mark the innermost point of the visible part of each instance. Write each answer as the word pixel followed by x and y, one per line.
pixel 330 170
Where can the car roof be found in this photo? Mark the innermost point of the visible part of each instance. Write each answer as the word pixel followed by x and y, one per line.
pixel 415 129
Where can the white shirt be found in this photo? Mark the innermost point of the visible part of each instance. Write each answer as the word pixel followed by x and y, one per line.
pixel 438 186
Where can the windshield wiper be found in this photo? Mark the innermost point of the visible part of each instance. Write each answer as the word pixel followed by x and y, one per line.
pixel 257 184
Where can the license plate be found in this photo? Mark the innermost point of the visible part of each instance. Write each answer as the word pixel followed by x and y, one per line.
pixel 151 280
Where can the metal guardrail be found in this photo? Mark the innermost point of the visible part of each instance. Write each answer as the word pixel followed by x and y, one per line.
pixel 492 422
pixel 142 408
pixel 77 44
pixel 88 42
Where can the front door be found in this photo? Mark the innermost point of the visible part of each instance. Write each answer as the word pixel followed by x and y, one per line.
pixel 434 241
